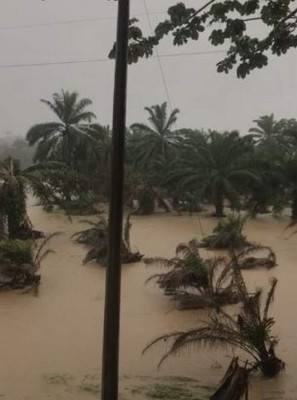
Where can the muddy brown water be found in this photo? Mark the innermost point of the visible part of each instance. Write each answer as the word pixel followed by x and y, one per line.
pixel 50 345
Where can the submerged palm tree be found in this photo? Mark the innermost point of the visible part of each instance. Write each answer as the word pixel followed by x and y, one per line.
pixel 18 264
pixel 188 269
pixel 200 283
pixel 13 193
pixel 196 282
pixel 157 139
pixel 251 331
pixel 97 238
pixel 227 234
pixel 60 140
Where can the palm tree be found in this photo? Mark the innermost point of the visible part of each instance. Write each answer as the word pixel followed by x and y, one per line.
pixel 13 193
pixel 97 237
pixel 227 234
pixel 59 140
pixel 209 280
pixel 290 173
pixel 93 159
pixel 249 332
pixel 156 139
pixel 216 166
pixel 269 188
pixel 271 136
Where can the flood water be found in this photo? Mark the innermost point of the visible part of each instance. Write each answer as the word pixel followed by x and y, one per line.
pixel 50 345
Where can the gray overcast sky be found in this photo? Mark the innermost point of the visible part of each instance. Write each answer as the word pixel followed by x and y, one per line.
pixel 206 99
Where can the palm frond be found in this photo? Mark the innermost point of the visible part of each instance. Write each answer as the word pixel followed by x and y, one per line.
pixel 41 254
pixel 270 297
pixel 164 262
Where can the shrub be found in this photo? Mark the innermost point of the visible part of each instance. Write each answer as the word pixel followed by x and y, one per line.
pixel 227 234
pixel 16 251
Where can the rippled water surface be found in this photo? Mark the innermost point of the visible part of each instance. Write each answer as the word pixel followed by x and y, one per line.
pixel 50 345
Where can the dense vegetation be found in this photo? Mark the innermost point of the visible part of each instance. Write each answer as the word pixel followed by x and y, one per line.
pixel 178 170
pixel 173 167
pixel 20 261
pixel 250 331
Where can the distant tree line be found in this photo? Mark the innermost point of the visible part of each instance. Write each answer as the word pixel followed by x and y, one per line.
pixel 256 172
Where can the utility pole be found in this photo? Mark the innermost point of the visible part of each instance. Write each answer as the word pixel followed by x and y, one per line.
pixel 110 361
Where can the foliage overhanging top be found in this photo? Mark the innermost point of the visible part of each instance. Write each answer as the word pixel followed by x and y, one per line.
pixel 229 22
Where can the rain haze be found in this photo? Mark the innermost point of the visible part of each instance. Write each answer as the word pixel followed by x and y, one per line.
pixel 66 31
pixel 191 235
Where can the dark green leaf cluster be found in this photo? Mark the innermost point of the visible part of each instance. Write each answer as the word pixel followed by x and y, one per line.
pixel 227 234
pixel 16 252
pixel 97 238
pixel 227 22
pixel 250 332
pixel 80 146
pixel 252 172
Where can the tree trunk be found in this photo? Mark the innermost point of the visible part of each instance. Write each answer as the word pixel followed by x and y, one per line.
pixel 294 204
pixel 234 384
pixel 271 366
pixel 219 204
pixel 2 225
pixel 15 209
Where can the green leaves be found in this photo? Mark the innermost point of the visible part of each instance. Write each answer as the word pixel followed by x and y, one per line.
pixel 60 140
pixel 227 20
pixel 179 13
pixel 154 142
pixel 217 37
pixel 274 10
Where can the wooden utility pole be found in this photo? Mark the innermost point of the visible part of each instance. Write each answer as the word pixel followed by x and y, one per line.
pixel 110 362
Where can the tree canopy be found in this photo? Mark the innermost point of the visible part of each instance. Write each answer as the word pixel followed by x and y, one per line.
pixel 229 23
pixel 68 134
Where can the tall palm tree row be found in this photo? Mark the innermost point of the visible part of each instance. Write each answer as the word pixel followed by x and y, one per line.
pixel 218 166
pixel 256 170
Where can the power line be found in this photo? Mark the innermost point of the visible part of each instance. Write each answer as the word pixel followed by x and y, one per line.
pixel 68 22
pixel 158 59
pixel 42 64
pixel 192 53
pixel 98 60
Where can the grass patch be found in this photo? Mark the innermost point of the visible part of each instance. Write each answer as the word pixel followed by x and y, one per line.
pixel 160 391
pixel 182 379
pixel 174 388
pixel 93 388
pixel 90 384
pixel 57 379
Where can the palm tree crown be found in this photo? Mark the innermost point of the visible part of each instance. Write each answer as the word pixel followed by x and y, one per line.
pixel 59 140
pixel 274 137
pixel 155 140
pixel 215 166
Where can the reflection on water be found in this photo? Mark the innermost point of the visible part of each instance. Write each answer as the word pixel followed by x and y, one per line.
pixel 51 345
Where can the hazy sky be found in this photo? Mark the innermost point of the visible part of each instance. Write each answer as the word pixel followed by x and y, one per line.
pixel 205 98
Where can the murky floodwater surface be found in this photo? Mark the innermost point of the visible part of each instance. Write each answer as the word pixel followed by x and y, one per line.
pixel 50 345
